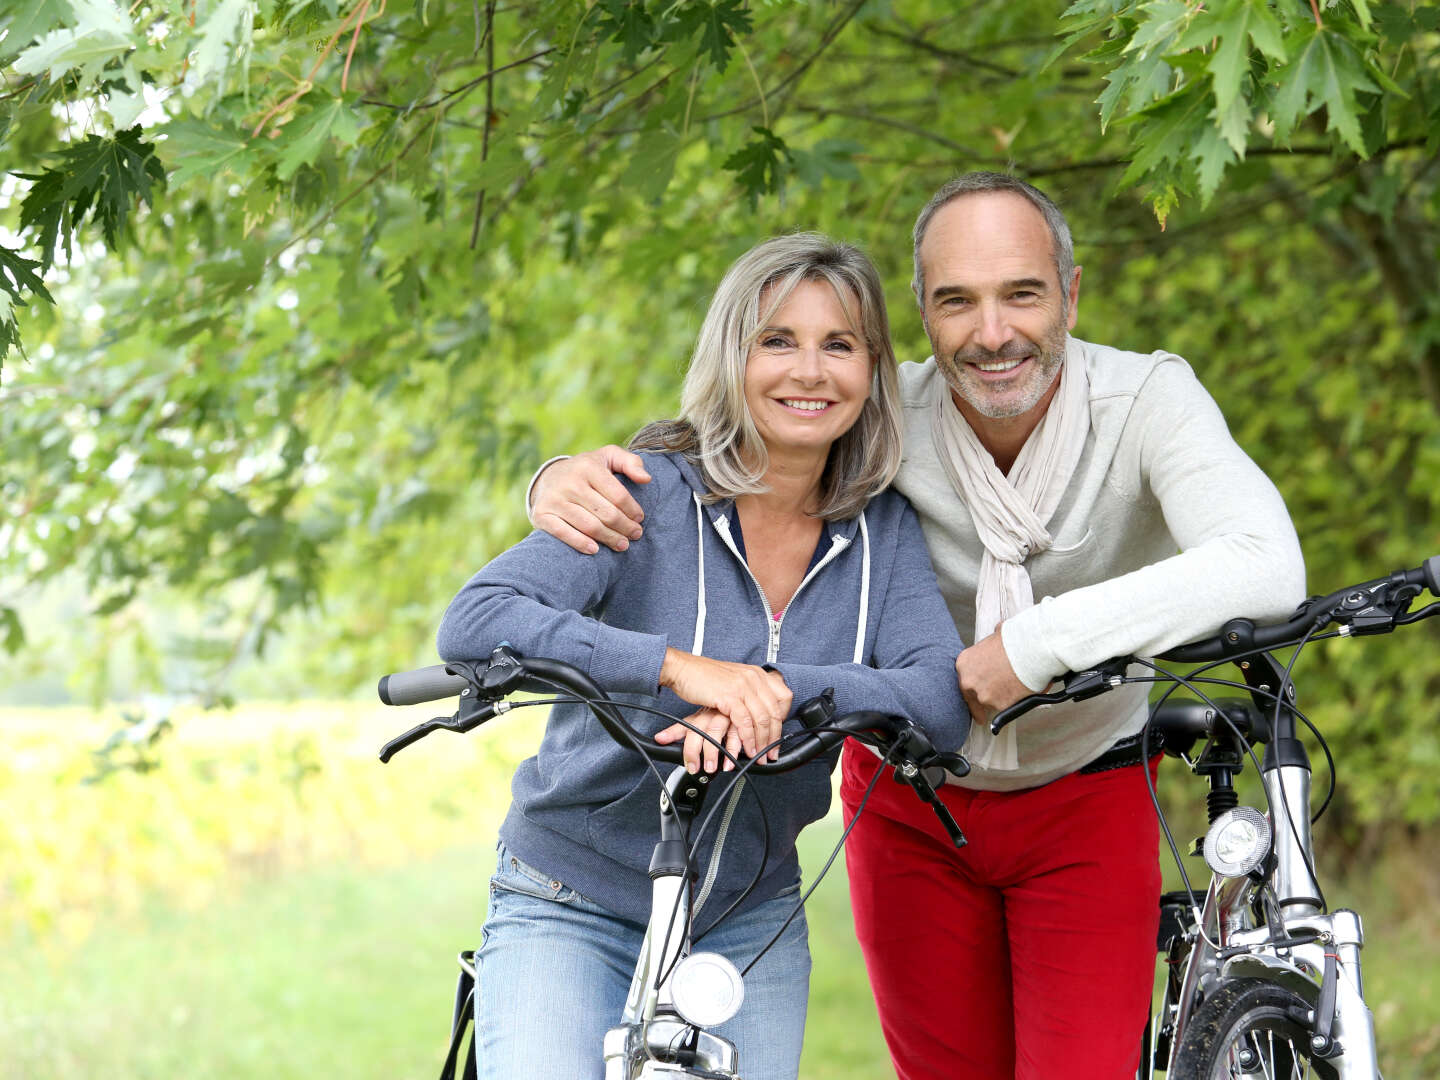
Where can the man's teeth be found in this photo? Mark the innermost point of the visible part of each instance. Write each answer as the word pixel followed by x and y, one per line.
pixel 810 406
pixel 1001 365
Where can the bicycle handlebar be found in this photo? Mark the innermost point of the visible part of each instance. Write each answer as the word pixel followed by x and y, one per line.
pixel 538 673
pixel 1243 636
pixel 1360 607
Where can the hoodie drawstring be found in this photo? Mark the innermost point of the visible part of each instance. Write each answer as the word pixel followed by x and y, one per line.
pixel 864 591
pixel 699 643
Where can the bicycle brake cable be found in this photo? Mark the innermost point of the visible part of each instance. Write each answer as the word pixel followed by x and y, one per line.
pixel 834 854
pixel 634 744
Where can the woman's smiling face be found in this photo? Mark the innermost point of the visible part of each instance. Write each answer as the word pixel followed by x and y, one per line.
pixel 807 377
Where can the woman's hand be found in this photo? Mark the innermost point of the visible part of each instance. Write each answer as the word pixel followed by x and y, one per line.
pixel 754 701
pixel 700 750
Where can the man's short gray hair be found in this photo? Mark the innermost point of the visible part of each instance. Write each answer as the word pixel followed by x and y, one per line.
pixel 975 182
pixel 715 427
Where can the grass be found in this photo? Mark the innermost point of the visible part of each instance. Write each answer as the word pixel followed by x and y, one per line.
pixel 271 903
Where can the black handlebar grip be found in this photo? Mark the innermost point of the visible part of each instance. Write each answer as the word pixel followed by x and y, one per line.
pixel 422 684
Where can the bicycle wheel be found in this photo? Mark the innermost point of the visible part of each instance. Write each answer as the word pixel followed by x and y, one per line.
pixel 1245 1029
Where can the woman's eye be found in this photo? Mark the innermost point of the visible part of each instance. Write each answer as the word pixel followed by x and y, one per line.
pixel 774 343
pixel 840 346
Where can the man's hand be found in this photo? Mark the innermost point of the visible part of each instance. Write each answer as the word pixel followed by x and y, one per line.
pixel 987 681
pixel 754 701
pixel 580 502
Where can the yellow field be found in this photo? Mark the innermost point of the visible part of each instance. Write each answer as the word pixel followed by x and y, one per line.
pixel 256 791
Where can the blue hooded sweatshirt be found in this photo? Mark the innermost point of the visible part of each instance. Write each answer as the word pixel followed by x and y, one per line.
pixel 867 620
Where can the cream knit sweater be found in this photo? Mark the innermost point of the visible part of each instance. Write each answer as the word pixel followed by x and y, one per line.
pixel 1167 531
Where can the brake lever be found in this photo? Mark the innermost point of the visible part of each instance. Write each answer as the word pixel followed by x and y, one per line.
pixel 471 714
pixel 911 773
pixel 1079 685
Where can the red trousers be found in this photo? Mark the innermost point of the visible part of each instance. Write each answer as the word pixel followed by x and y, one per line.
pixel 1027 955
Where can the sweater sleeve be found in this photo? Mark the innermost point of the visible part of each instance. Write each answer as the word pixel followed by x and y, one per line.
pixel 1239 555
pixel 534 596
pixel 911 669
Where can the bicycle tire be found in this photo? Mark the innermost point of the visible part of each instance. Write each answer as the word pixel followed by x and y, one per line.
pixel 1245 1029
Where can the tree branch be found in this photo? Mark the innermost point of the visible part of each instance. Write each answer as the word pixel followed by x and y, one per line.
pixel 465 88
pixel 489 115
pixel 915 41
pixel 823 111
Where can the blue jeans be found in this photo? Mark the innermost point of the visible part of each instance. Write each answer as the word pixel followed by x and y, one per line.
pixel 554 968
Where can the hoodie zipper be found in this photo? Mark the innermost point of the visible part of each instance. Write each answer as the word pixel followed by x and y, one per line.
pixel 772 650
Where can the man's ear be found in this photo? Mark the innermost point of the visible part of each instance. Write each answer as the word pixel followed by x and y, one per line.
pixel 1073 296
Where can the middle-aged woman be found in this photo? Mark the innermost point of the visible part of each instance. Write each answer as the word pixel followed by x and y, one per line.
pixel 773 566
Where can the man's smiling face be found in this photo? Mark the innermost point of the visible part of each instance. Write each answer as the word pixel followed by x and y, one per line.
pixel 994 308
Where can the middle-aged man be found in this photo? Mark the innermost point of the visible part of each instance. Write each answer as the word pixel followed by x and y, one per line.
pixel 1040 465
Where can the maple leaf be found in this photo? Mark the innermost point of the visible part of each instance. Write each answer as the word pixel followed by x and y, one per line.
pixel 1328 71
pixel 100 177
pixel 719 24
pixel 760 165
pixel 628 23
pixel 18 272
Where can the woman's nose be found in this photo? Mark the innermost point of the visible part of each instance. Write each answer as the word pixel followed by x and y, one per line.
pixel 809 364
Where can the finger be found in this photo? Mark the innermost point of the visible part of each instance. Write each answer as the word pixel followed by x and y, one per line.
pixel 717 726
pixel 673 733
pixel 557 527
pixel 743 723
pixel 693 728
pixel 620 460
pixel 766 731
pixel 978 712
pixel 589 522
pixel 784 698
pixel 615 502
pixel 732 744
pixel 693 742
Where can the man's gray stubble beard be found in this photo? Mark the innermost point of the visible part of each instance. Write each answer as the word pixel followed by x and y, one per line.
pixel 1051 357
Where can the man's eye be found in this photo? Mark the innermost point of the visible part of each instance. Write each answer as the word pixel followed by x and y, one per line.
pixel 954 301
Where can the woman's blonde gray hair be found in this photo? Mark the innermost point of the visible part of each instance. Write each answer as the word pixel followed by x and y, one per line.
pixel 715 428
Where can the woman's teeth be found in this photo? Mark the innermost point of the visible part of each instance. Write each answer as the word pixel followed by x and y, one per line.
pixel 809 406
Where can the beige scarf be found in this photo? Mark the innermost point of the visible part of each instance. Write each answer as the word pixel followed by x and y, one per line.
pixel 1010 512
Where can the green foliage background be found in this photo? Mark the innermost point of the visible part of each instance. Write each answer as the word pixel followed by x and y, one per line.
pixel 295 294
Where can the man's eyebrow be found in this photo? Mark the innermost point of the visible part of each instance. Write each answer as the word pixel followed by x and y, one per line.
pixel 941 291
pixel 1034 284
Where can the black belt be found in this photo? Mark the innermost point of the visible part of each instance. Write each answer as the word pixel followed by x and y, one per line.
pixel 1124 753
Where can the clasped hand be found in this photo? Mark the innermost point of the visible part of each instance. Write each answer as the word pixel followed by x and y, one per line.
pixel 742 708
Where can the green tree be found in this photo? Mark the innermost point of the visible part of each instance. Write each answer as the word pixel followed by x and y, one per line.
pixel 328 278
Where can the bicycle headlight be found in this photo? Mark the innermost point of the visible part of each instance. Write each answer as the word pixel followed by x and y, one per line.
pixel 706 989
pixel 1238 842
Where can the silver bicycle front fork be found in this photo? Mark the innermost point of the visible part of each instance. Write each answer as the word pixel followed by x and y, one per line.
pixel 1288 790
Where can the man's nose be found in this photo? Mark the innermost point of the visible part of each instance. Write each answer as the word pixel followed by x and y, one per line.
pixel 993 330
